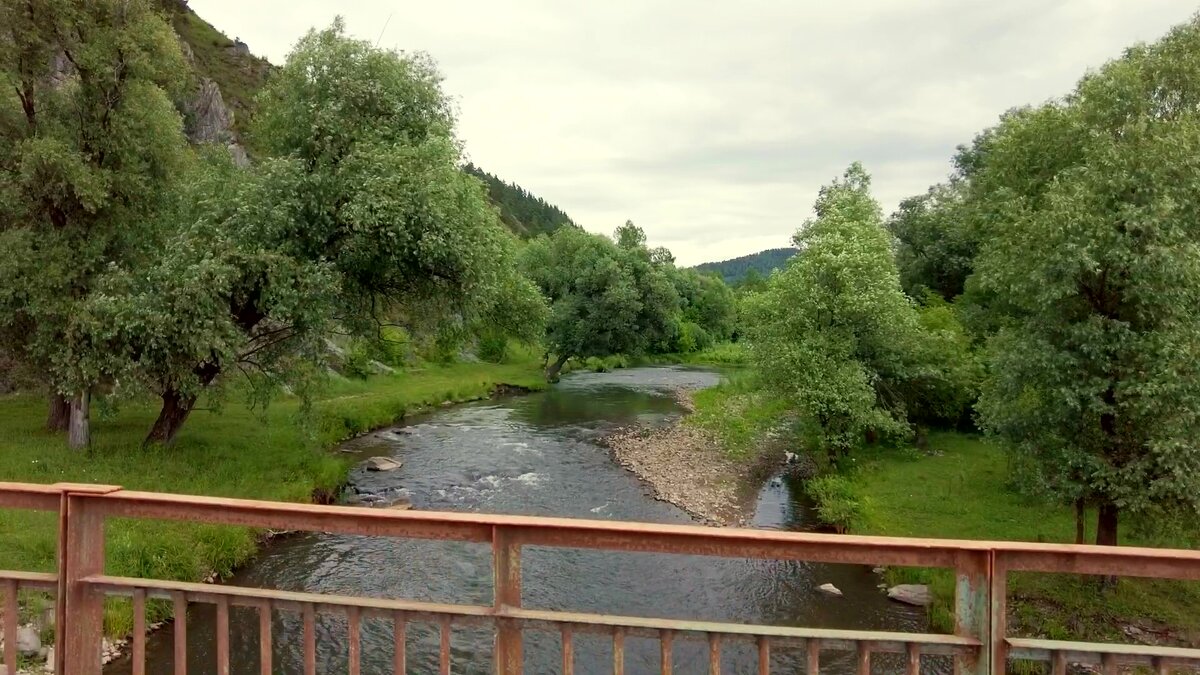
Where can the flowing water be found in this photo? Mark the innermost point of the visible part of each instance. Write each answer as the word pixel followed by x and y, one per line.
pixel 541 455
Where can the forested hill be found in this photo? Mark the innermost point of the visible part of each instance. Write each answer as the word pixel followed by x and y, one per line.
pixel 228 75
pixel 523 212
pixel 763 262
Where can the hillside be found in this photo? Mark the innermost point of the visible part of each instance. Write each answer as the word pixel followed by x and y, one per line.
pixel 734 269
pixel 522 211
pixel 227 76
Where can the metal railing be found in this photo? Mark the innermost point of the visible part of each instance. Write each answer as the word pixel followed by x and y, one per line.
pixel 979 645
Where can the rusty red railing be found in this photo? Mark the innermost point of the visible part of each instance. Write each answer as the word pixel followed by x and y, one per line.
pixel 979 645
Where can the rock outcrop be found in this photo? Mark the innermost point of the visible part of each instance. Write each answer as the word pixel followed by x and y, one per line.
pixel 211 121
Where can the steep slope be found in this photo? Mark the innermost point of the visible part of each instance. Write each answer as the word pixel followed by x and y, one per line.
pixel 763 262
pixel 522 211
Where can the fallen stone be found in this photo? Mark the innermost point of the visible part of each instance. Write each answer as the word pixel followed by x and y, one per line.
pixel 28 640
pixel 912 594
pixel 382 464
pixel 830 589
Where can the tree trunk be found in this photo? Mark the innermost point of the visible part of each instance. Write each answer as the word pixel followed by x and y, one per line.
pixel 175 410
pixel 1080 525
pixel 556 367
pixel 79 435
pixel 1106 524
pixel 59 417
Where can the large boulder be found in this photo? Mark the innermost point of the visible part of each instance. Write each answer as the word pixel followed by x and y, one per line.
pixel 912 594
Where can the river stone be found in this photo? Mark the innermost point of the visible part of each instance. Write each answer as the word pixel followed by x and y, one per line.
pixel 381 464
pixel 912 594
pixel 28 641
pixel 400 505
pixel 830 589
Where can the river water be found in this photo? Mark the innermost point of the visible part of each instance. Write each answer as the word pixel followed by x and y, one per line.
pixel 541 454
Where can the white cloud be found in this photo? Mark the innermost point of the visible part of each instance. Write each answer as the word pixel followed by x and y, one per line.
pixel 712 124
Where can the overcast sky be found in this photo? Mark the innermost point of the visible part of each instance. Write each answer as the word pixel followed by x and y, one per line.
pixel 712 124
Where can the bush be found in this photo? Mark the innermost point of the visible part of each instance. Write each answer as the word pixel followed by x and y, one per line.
pixel 358 361
pixel 493 347
pixel 394 347
pixel 838 503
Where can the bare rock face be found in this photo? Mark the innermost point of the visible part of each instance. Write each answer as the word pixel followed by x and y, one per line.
pixel 61 70
pixel 209 119
pixel 188 54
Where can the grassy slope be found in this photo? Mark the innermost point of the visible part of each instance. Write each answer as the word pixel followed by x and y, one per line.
pixel 234 452
pixel 959 491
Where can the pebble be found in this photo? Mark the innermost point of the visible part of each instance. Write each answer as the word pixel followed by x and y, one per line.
pixel 830 589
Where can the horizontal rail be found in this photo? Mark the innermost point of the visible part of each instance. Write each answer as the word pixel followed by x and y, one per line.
pixel 295 601
pixel 1093 653
pixel 980 644
pixel 39 580
pixel 651 537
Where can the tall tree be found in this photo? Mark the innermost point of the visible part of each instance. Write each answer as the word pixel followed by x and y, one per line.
pixel 604 299
pixel 833 332
pixel 89 146
pixel 1095 373
pixel 357 216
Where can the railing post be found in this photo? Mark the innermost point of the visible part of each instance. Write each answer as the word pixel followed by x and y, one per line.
pixel 972 610
pixel 999 614
pixel 83 608
pixel 506 557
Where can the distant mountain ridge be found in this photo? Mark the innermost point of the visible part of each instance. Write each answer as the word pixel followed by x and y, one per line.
pixel 734 269
pixel 227 76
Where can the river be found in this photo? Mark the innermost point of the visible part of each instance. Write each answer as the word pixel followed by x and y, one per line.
pixel 540 454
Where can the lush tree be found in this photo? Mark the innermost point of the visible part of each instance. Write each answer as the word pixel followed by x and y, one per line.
pixel 1094 205
pixel 834 333
pixel 90 144
pixel 604 299
pixel 934 242
pixel 708 309
pixel 358 217
pixel 630 237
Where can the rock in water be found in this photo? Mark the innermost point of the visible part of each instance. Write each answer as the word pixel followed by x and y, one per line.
pixel 400 505
pixel 28 641
pixel 912 594
pixel 381 464
pixel 830 589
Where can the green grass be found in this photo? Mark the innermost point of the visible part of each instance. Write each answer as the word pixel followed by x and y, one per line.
pixel 738 413
pixel 231 452
pixel 960 490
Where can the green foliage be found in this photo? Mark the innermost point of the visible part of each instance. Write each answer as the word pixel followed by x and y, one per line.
pixel 493 347
pixel 748 269
pixel 833 333
pixel 604 299
pixel 708 305
pixel 85 165
pixel 839 504
pixel 1091 254
pixel 523 212
pixel 935 245
pixel 739 413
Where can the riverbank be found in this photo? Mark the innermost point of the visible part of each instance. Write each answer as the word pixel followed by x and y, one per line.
pixel 689 465
pixel 959 488
pixel 230 452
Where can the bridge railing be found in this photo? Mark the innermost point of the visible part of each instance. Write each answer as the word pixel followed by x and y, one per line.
pixel 979 645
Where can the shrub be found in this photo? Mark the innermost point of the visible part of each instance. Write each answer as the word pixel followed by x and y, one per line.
pixel 493 347
pixel 838 504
